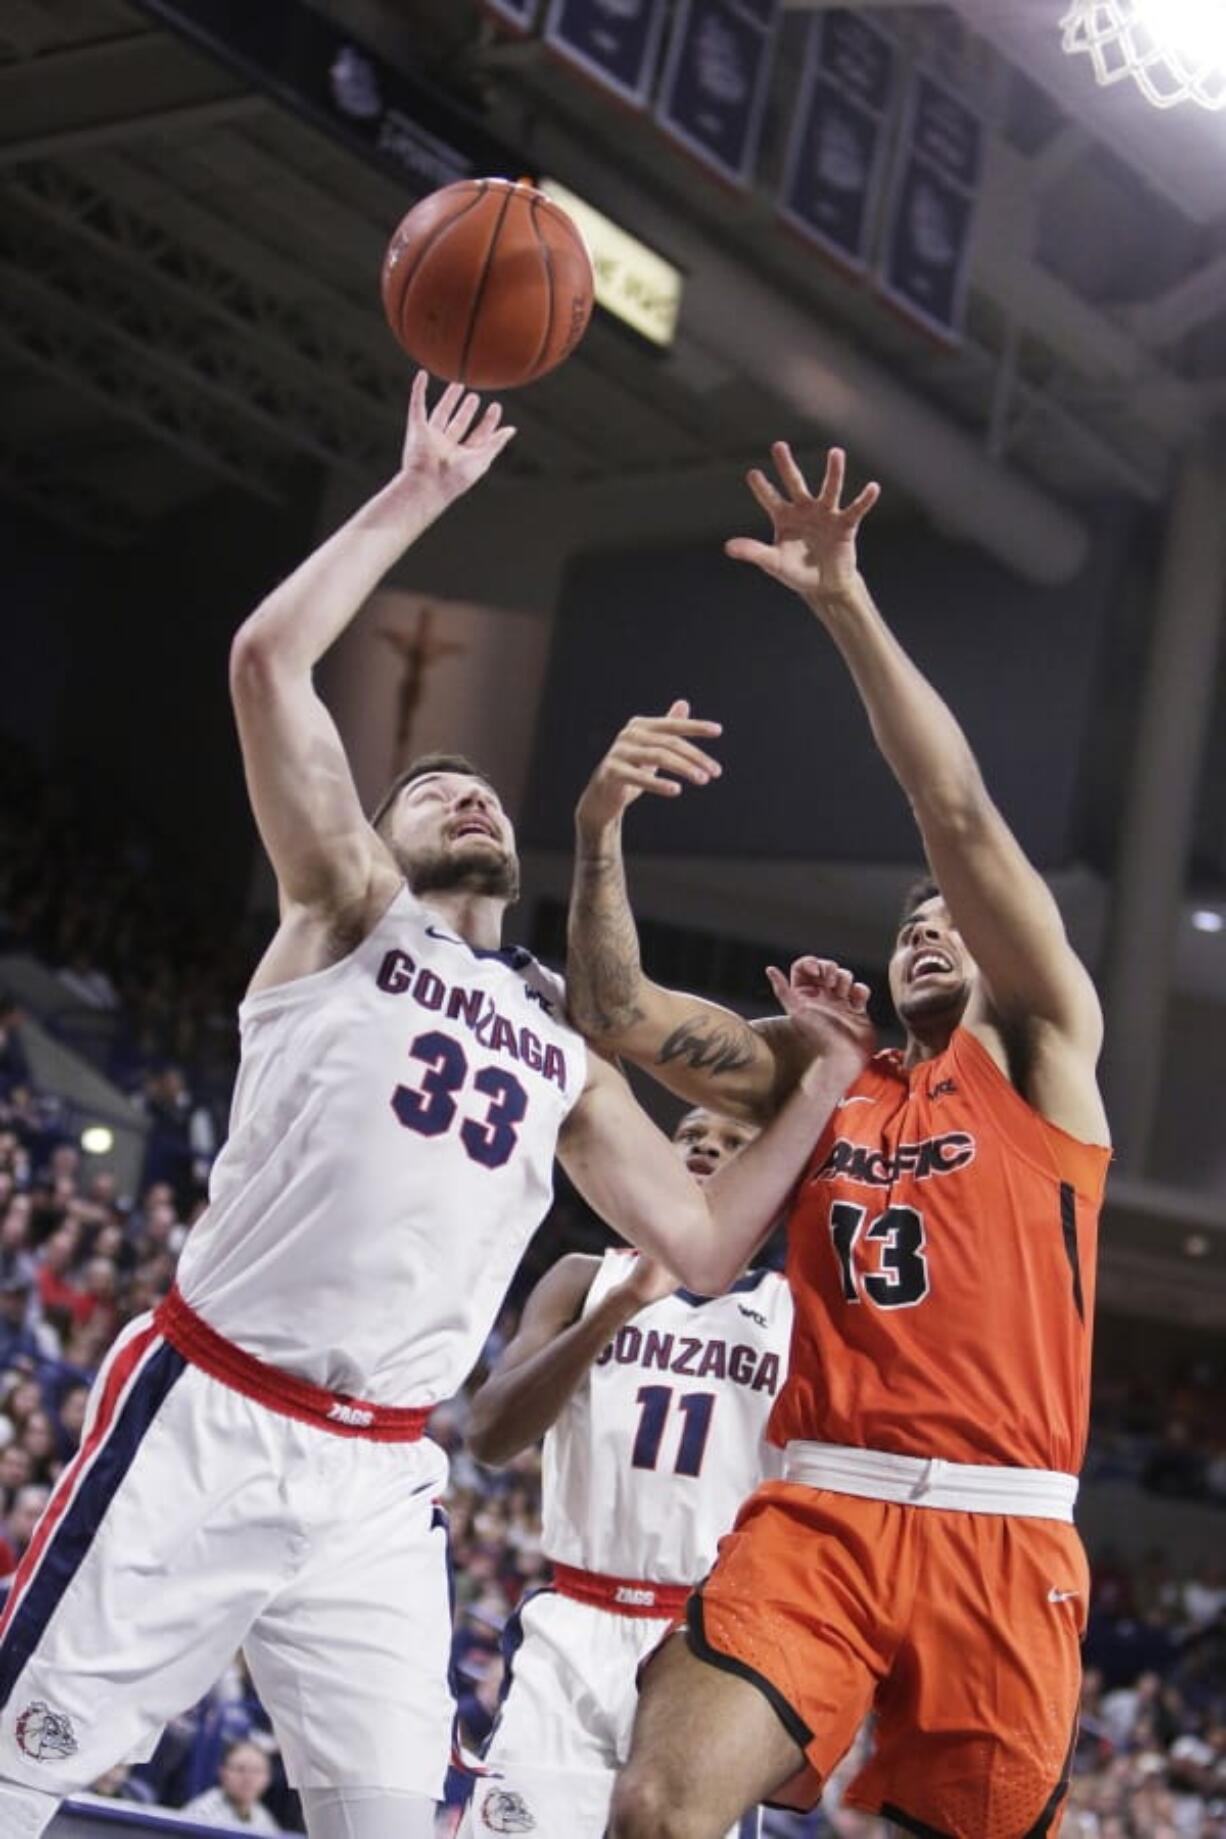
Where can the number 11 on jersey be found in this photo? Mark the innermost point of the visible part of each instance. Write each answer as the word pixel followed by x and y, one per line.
pixel 655 1404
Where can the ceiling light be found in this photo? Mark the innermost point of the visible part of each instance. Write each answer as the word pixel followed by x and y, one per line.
pixel 1208 919
pixel 97 1140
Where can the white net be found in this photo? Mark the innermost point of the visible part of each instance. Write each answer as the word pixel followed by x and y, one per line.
pixel 1174 50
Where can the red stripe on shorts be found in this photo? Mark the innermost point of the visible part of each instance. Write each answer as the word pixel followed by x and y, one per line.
pixel 114 1386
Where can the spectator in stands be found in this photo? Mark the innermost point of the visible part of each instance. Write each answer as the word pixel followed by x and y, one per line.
pixel 15 1471
pixel 14 1066
pixel 236 1801
pixel 62 1301
pixel 18 1342
pixel 23 1516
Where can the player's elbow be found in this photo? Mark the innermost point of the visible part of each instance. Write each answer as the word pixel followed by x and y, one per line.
pixel 699 1261
pixel 489 1435
pixel 954 803
pixel 252 665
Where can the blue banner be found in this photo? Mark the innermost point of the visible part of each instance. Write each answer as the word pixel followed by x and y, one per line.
pixel 832 175
pixel 715 81
pixel 932 208
pixel 617 42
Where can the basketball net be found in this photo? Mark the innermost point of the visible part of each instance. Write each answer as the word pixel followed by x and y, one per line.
pixel 1123 39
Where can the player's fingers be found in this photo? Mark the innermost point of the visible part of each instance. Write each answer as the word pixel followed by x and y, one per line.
pixel 794 481
pixel 840 984
pixel 678 709
pixel 652 741
pixel 464 417
pixel 863 502
pixel 807 967
pixel 767 494
pixel 745 549
pixel 502 439
pixel 418 395
pixel 691 764
pixel 859 996
pixel 649 781
pixel 780 985
pixel 832 479
pixel 671 724
pixel 446 405
pixel 487 427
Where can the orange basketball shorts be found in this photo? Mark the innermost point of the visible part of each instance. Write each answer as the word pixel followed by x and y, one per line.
pixel 960 1631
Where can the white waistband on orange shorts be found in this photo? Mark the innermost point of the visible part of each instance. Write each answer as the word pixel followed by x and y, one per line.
pixel 919 1481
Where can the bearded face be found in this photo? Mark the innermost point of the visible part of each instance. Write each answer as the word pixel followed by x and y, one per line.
pixel 449 832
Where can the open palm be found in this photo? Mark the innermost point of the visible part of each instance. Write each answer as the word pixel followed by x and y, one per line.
pixel 814 547
pixel 448 446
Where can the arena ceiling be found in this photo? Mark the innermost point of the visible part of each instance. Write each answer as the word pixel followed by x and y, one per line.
pixel 189 270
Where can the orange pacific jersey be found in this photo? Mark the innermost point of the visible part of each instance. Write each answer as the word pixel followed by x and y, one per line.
pixel 941 1256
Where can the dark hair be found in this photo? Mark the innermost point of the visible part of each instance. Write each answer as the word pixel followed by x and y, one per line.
pixel 920 891
pixel 418 769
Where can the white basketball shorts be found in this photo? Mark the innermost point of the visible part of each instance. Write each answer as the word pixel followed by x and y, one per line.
pixel 195 1520
pixel 563 1728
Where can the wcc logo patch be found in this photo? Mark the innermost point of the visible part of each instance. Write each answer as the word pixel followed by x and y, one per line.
pixel 504 1811
pixel 45 1734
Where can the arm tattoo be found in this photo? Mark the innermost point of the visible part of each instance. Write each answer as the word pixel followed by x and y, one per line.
pixel 714 1045
pixel 603 970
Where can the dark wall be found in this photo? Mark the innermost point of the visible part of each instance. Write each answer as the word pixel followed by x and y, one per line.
pixel 42 575
pixel 121 673
pixel 802 776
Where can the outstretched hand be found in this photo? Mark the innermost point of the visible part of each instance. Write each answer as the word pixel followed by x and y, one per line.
pixel 653 753
pixel 826 1004
pixel 447 447
pixel 814 546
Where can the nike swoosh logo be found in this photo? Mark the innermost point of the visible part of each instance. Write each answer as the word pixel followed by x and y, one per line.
pixel 857 1098
pixel 1061 1596
pixel 434 933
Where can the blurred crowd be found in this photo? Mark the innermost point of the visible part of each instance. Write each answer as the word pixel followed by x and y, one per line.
pixel 78 1259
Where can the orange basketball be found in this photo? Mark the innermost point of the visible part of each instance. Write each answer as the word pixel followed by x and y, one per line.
pixel 487 283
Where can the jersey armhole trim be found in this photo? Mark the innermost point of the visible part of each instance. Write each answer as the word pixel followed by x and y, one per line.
pixel 1082 1166
pixel 290 993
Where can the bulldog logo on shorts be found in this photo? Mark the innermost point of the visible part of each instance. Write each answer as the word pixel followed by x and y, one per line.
pixel 45 1734
pixel 504 1811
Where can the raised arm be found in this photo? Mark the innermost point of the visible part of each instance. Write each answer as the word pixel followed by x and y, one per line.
pixel 703 1052
pixel 625 1169
pixel 306 805
pixel 999 903
pixel 553 1352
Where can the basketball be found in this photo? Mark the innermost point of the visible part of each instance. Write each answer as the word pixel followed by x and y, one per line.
pixel 487 283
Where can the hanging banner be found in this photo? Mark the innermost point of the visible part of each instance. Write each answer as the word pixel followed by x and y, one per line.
pixel 715 81
pixel 932 207
pixel 616 42
pixel 836 153
pixel 519 13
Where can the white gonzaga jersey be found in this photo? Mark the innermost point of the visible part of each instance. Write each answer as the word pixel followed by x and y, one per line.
pixel 390 1155
pixel 652 1456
